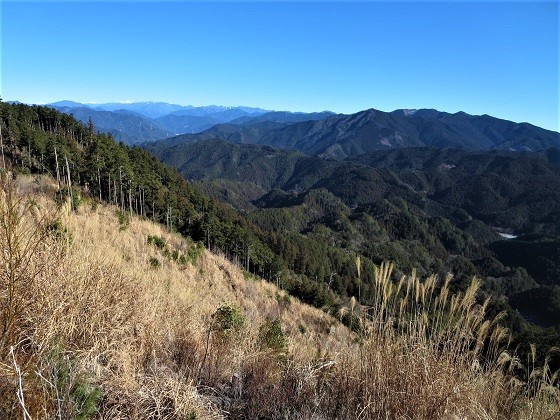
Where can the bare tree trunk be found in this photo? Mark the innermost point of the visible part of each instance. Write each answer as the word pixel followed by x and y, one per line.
pixel 120 186
pixel 2 148
pixel 69 184
pixel 167 218
pixel 57 170
pixel 130 196
pixel 98 178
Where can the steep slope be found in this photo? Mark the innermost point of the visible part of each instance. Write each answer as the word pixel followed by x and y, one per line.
pixel 107 315
pixel 116 324
pixel 131 318
pixel 307 242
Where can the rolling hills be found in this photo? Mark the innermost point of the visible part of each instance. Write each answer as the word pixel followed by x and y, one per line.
pixel 504 189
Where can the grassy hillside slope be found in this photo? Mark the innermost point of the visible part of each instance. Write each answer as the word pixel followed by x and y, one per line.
pixel 106 315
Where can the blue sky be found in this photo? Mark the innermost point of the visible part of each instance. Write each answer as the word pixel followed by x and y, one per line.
pixel 499 58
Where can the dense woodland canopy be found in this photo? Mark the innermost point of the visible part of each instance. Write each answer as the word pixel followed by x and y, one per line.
pixel 306 241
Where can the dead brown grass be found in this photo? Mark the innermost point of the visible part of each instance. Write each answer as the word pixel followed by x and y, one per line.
pixel 94 319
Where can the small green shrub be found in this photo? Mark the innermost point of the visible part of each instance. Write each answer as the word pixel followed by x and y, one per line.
pixel 79 398
pixel 228 318
pixel 157 241
pixel 57 230
pixel 182 259
pixel 124 220
pixel 86 398
pixel 272 337
pixel 154 262
pixel 194 252
pixel 167 254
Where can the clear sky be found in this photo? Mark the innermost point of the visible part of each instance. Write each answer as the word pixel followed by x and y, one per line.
pixel 499 58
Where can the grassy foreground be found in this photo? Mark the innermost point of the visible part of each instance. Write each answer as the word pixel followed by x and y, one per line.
pixel 104 315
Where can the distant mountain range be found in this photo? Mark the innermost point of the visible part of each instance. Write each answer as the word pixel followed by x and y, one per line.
pixel 159 109
pixel 342 136
pixel 323 133
pixel 442 209
pixel 139 122
pixel 126 126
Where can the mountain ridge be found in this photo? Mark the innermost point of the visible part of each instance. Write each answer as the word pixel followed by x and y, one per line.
pixel 342 136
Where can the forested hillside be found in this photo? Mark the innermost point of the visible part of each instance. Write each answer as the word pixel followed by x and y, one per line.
pixel 84 162
pixel 432 210
pixel 305 239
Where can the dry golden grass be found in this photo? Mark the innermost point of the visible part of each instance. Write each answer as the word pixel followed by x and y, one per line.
pixel 97 331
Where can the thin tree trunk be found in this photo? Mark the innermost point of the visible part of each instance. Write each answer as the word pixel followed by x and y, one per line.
pixel 69 184
pixel 2 147
pixel 120 186
pixel 57 170
pixel 130 196
pixel 98 177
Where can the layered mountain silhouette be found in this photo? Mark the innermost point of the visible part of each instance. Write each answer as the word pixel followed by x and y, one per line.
pixel 139 122
pixel 342 136
pixel 124 125
pixel 322 133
